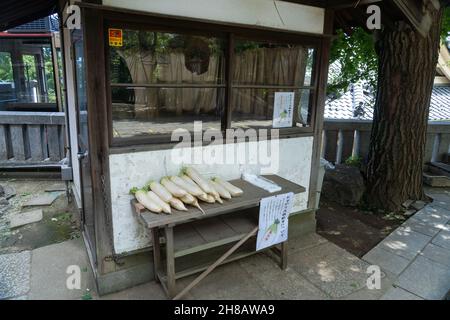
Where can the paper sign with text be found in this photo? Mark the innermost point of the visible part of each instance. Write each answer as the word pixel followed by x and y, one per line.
pixel 274 219
pixel 283 109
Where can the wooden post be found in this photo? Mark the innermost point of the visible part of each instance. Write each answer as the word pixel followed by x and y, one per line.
pixel 170 262
pixel 156 253
pixel 324 143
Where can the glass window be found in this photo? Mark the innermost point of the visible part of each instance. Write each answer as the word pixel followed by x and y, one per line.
pixel 260 71
pixel 27 79
pixel 163 81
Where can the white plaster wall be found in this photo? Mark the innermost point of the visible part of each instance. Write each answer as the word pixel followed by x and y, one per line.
pixel 135 169
pixel 266 13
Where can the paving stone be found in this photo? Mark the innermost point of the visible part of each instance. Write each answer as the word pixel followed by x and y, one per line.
pixel 386 260
pixel 371 294
pixel 280 284
pixel 19 298
pixel 427 228
pixel 9 192
pixel 14 274
pixel 440 199
pixel 405 243
pixel 56 187
pixel 305 242
pixel 396 293
pixel 437 254
pixel 442 239
pixel 426 279
pixel 147 291
pixel 433 214
pixel 227 282
pixel 49 268
pixel 335 272
pixel 45 199
pixel 418 204
pixel 24 218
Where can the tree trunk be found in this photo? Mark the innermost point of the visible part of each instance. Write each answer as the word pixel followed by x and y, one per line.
pixel 407 64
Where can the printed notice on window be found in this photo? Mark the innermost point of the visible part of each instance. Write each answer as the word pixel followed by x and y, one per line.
pixel 273 220
pixel 115 37
pixel 283 109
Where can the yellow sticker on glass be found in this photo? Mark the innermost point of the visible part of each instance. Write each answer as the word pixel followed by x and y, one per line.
pixel 115 37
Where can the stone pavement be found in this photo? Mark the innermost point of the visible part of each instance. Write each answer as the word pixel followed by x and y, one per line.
pixel 416 256
pixel 415 264
pixel 41 274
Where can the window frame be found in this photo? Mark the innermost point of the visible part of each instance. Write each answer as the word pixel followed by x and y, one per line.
pixel 229 34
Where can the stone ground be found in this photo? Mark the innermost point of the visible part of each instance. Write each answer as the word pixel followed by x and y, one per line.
pixel 60 220
pixel 414 261
pixel 417 254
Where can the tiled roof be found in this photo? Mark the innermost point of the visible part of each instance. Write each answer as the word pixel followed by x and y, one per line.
pixel 357 103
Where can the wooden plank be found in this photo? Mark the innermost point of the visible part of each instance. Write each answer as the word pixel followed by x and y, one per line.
pixel 214 229
pixel 186 238
pixel 35 140
pixel 216 264
pixel 240 223
pixel 156 252
pixel 24 117
pixel 170 261
pixel 3 143
pixel 251 197
pixel 18 143
pixel 53 142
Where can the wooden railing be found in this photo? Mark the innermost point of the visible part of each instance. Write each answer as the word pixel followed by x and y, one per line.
pixel 31 138
pixel 345 138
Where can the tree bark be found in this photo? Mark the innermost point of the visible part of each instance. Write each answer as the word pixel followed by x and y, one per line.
pixel 407 65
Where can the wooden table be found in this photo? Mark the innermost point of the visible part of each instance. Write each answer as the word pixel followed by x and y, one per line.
pixel 217 227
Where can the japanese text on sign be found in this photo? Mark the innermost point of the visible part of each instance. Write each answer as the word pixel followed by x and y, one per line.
pixel 274 219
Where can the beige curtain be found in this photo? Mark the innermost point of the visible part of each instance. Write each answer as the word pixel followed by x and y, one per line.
pixel 264 66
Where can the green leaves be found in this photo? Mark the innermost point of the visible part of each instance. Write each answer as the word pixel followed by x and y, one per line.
pixel 353 58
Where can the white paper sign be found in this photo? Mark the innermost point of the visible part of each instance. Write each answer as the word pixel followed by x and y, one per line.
pixel 283 109
pixel 273 220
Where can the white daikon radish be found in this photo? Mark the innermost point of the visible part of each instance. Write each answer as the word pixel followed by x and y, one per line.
pixel 221 190
pixel 198 179
pixel 177 204
pixel 207 198
pixel 210 198
pixel 217 198
pixel 194 190
pixel 160 191
pixel 165 206
pixel 214 192
pixel 190 199
pixel 233 190
pixel 142 198
pixel 174 189
pixel 199 191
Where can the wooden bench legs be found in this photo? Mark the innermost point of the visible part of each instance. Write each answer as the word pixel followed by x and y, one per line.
pixel 168 281
pixel 170 262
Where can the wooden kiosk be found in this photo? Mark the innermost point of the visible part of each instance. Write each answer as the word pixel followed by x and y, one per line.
pixel 138 70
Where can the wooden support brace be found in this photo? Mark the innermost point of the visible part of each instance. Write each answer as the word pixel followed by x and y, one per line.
pixel 215 264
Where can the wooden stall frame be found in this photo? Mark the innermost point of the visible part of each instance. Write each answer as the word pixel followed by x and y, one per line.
pixel 93 18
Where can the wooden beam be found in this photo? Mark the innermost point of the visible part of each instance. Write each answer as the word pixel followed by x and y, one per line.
pixel 98 133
